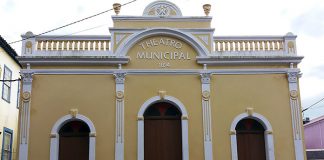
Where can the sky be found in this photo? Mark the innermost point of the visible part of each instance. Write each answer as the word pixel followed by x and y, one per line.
pixel 304 18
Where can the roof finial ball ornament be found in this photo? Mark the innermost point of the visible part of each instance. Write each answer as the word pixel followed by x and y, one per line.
pixel 207 8
pixel 117 7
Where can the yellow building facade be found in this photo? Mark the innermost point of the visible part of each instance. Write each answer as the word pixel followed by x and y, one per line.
pixel 9 106
pixel 162 86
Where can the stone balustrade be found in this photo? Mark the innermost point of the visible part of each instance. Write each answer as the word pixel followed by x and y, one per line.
pixel 76 45
pixel 255 45
pixel 94 45
pixel 72 45
pixel 248 45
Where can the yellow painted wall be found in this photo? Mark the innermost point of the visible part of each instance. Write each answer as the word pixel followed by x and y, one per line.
pixel 52 98
pixel 8 111
pixel 267 94
pixel 170 24
pixel 186 88
pixel 93 95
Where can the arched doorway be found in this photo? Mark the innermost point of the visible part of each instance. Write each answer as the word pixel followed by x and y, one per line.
pixel 162 132
pixel 74 141
pixel 250 140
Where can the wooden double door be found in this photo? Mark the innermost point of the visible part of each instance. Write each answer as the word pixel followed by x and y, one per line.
pixel 250 140
pixel 162 132
pixel 74 141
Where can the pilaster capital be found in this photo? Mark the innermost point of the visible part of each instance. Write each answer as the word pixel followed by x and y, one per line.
pixel 293 76
pixel 120 77
pixel 205 78
pixel 27 77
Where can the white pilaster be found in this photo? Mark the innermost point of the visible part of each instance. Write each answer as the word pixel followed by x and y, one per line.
pixel 205 86
pixel 119 144
pixel 296 114
pixel 27 78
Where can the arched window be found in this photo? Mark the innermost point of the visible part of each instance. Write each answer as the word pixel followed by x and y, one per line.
pixel 250 140
pixel 162 132
pixel 74 141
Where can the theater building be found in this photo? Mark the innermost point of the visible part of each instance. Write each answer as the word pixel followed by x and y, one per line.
pixel 160 87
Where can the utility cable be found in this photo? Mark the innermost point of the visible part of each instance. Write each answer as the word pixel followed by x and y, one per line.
pixel 61 36
pixel 69 24
pixel 10 80
pixel 313 105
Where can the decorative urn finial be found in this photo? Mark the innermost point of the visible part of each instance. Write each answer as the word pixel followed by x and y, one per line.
pixel 207 8
pixel 117 7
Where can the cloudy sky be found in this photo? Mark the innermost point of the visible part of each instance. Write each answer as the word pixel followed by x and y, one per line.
pixel 304 18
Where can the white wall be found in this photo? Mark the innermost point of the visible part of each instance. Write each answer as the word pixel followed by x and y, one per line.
pixel 9 111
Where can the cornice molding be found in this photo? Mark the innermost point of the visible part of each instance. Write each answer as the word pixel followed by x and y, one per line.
pixel 157 18
pixel 163 72
pixel 248 60
pixel 94 60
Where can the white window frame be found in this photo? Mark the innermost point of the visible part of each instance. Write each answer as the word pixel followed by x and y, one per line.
pixel 8 131
pixel 18 95
pixel 184 125
pixel 54 146
pixel 268 136
pixel 6 69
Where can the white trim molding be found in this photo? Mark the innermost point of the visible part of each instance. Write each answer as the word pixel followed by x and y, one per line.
pixel 256 58
pixel 122 50
pixel 205 92
pixel 27 78
pixel 297 124
pixel 160 72
pixel 119 143
pixel 268 134
pixel 162 19
pixel 54 146
pixel 184 125
pixel 72 60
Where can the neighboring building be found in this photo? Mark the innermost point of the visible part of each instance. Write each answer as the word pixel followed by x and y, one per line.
pixel 9 106
pixel 161 87
pixel 314 138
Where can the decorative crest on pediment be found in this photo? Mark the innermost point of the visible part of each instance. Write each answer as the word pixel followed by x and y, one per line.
pixel 162 9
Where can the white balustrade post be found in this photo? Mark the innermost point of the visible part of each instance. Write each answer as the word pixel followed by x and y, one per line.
pixel 290 43
pixel 29 44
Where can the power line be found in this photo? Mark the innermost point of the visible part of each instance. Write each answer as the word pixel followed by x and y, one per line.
pixel 10 80
pixel 87 29
pixel 69 24
pixel 313 105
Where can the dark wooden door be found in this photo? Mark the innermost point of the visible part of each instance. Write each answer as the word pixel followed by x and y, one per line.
pixel 251 146
pixel 250 141
pixel 74 141
pixel 162 133
pixel 74 148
